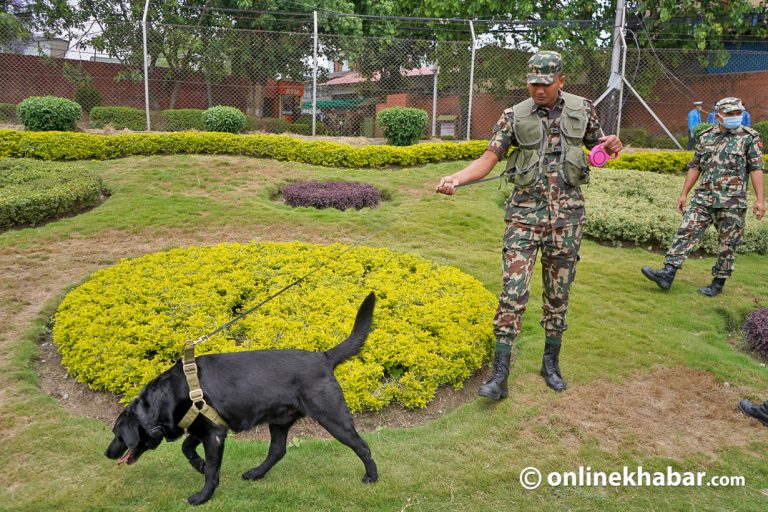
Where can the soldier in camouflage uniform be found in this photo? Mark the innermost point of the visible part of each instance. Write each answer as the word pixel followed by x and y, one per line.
pixel 544 213
pixel 725 155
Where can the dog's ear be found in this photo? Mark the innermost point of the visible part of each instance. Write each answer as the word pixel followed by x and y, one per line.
pixel 127 427
pixel 155 409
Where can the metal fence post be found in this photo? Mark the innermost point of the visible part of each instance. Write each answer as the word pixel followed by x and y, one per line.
pixel 435 70
pixel 314 78
pixel 146 63
pixel 471 79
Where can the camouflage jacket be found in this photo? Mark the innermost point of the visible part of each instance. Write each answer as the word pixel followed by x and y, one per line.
pixel 725 160
pixel 549 200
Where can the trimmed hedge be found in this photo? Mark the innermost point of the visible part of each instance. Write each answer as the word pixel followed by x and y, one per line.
pixel 403 126
pixel 119 118
pixel 32 192
pixel 266 124
pixel 8 113
pixel 664 162
pixel 306 129
pixel 762 129
pixel 182 119
pixel 128 323
pixel 339 195
pixel 639 207
pixel 89 146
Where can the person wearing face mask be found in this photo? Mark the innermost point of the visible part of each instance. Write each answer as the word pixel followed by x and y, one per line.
pixel 725 155
pixel 545 211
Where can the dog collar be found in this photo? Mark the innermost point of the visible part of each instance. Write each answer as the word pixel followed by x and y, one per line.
pixel 199 405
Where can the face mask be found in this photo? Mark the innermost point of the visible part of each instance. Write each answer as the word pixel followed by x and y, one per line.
pixel 731 123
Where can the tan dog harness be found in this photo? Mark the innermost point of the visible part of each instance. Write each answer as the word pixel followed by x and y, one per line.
pixel 199 405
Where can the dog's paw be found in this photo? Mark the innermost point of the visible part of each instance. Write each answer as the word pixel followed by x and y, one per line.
pixel 369 479
pixel 254 474
pixel 198 498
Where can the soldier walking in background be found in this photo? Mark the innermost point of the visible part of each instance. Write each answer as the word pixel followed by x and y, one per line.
pixel 725 155
pixel 545 211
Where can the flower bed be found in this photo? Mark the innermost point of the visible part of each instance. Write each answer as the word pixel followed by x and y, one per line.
pixel 339 195
pixel 128 323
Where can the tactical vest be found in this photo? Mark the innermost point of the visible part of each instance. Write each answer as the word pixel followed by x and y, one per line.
pixel 525 164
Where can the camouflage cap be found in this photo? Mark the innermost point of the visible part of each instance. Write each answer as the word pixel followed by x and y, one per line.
pixel 543 67
pixel 729 104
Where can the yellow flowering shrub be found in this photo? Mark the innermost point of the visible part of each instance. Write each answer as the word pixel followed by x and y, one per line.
pixel 128 323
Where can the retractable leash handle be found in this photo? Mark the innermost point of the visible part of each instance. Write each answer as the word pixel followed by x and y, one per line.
pixel 598 156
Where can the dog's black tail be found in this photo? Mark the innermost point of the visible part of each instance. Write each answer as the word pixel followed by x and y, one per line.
pixel 352 345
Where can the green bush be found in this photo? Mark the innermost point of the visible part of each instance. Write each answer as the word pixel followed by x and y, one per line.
pixel 87 96
pixel 432 323
pixel 119 118
pixel 664 162
pixel 266 124
pixel 182 119
pixel 8 113
pixel 403 126
pixel 48 113
pixel 625 206
pixel 700 128
pixel 368 127
pixel 306 129
pixel 762 129
pixel 32 192
pixel 637 137
pixel 224 119
pixel 81 146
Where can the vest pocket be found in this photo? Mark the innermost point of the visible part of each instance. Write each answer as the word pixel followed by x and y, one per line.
pixel 523 167
pixel 576 168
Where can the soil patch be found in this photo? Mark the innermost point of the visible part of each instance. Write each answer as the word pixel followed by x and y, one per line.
pixel 80 400
pixel 670 412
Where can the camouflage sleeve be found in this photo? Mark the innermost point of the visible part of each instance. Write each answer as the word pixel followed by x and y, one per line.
pixel 503 136
pixel 695 160
pixel 755 160
pixel 594 131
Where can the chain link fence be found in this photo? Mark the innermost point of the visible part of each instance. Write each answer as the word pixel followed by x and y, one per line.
pixel 463 84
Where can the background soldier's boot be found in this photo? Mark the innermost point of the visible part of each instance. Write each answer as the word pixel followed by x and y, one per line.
pixel 757 411
pixel 496 387
pixel 714 288
pixel 662 277
pixel 550 367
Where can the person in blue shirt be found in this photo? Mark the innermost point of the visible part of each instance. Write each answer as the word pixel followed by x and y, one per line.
pixel 711 117
pixel 694 119
pixel 746 119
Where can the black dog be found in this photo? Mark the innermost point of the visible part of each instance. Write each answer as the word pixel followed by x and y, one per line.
pixel 246 388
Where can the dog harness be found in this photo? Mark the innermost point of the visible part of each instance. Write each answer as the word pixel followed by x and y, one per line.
pixel 199 405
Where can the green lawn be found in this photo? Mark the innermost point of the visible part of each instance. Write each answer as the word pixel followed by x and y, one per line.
pixel 624 331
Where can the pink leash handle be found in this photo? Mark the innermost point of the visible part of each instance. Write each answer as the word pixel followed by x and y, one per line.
pixel 598 156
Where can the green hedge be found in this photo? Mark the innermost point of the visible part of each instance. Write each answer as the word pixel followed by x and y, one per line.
pixel 119 118
pixel 306 129
pixel 32 192
pixel 639 208
pixel 182 119
pixel 266 124
pixel 85 146
pixel 431 326
pixel 664 162
pixel 48 113
pixel 762 128
pixel 8 113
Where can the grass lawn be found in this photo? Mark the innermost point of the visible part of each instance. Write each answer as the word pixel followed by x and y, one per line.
pixel 654 377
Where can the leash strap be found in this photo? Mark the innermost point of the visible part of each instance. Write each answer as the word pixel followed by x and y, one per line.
pixel 199 405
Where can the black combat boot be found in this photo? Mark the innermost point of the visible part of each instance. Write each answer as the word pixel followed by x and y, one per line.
pixel 550 368
pixel 714 288
pixel 663 277
pixel 757 411
pixel 496 387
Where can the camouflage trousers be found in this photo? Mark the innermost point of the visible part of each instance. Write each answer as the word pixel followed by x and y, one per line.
pixel 729 223
pixel 559 254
